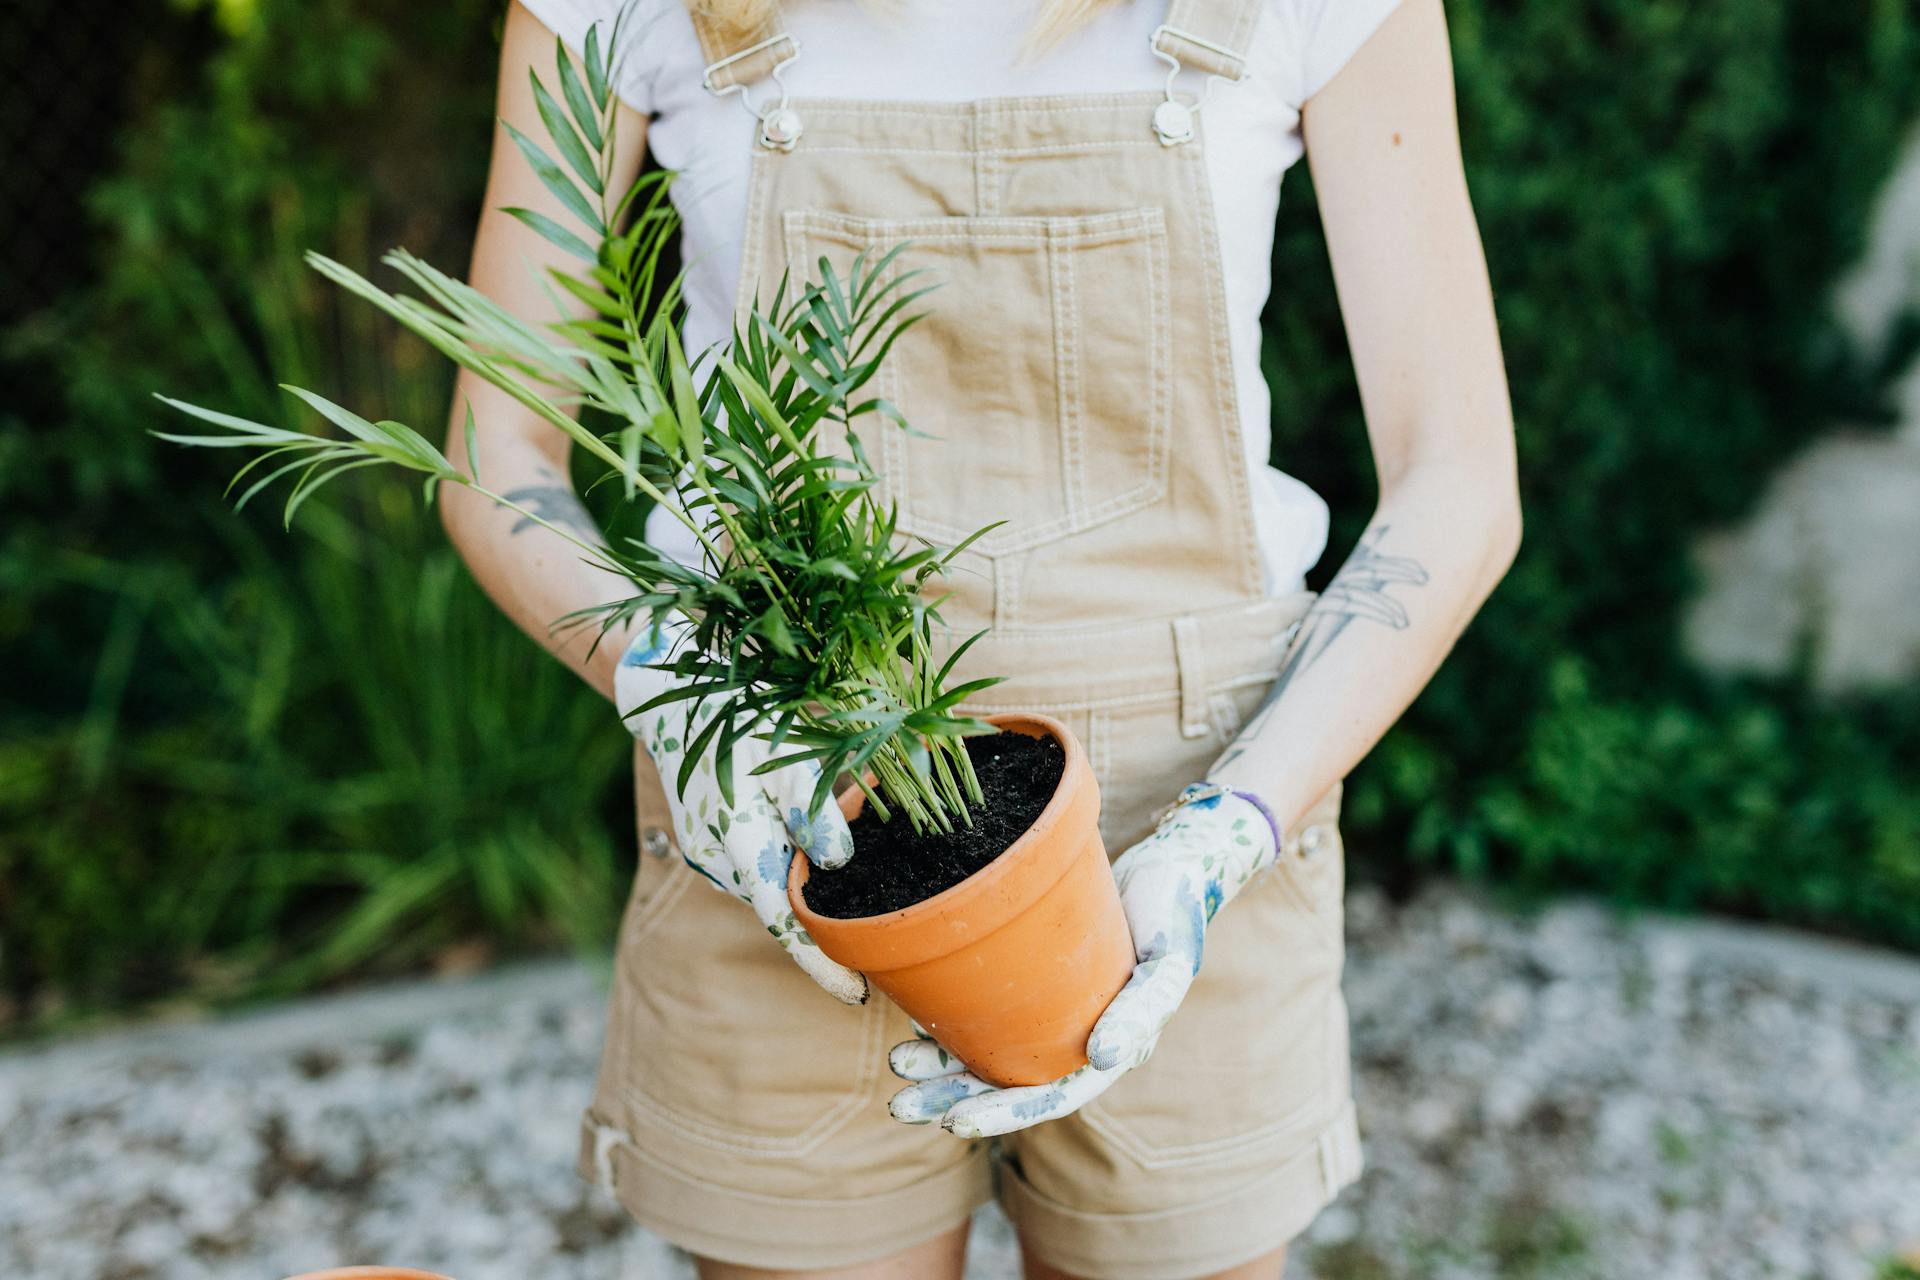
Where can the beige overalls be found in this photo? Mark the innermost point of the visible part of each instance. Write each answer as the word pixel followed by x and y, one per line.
pixel 1072 378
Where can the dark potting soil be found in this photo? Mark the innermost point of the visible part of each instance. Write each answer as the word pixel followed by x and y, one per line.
pixel 892 867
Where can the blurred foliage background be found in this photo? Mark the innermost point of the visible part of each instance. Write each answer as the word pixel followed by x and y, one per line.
pixel 237 762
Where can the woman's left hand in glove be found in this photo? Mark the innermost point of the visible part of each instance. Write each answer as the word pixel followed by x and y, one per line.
pixel 1204 850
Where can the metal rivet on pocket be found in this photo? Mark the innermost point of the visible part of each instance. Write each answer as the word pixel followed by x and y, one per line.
pixel 654 840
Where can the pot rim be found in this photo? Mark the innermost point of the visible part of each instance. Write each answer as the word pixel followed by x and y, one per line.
pixel 976 894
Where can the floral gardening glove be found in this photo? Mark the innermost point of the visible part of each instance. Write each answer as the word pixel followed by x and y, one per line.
pixel 745 847
pixel 1207 846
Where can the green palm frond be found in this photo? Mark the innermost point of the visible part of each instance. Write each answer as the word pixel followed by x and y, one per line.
pixel 810 623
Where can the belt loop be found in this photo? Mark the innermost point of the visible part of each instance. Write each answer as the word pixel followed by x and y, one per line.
pixel 1329 1163
pixel 605 1139
pixel 1191 658
pixel 1341 1160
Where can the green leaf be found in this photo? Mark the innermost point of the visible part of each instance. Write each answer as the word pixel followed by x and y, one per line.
pixel 596 66
pixel 969 540
pixel 555 179
pixel 554 233
pixel 414 445
pixel 266 480
pixel 773 625
pixel 346 419
pixel 606 304
pixel 696 750
pixel 563 135
pixel 315 477
pixel 686 402
pixel 262 459
pixel 798 362
pixel 756 396
pixel 473 444
pixel 578 104
pixel 242 426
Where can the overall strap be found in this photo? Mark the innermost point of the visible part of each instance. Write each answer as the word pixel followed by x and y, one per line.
pixel 741 56
pixel 1209 35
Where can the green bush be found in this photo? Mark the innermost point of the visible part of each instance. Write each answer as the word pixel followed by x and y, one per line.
pixel 1769 807
pixel 237 760
pixel 355 786
pixel 234 760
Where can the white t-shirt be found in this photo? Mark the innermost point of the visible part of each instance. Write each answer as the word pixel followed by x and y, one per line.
pixel 962 50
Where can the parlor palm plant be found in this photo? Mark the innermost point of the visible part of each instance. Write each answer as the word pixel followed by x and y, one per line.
pixel 806 619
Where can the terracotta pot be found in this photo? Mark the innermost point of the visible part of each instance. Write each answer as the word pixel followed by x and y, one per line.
pixel 1010 968
pixel 369 1273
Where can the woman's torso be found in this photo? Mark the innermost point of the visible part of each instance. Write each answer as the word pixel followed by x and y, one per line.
pixel 950 51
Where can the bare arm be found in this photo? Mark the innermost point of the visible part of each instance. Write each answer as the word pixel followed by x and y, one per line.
pixel 532 574
pixel 1407 260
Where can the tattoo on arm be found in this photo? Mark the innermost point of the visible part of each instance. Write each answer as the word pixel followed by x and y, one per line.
pixel 1358 593
pixel 555 502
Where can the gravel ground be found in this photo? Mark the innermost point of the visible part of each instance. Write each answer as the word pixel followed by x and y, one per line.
pixel 1565 1094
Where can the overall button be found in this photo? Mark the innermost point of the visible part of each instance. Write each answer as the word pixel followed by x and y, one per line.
pixel 780 129
pixel 1173 122
pixel 654 841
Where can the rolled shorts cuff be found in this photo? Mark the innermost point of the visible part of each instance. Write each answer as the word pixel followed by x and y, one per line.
pixel 1178 1243
pixel 751 1229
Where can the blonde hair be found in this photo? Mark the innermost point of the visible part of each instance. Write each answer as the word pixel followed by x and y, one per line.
pixel 1056 19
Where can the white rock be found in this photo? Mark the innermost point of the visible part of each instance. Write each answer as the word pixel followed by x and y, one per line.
pixel 1431 1119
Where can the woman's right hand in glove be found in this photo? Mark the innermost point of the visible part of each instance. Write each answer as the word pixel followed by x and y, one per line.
pixel 745 847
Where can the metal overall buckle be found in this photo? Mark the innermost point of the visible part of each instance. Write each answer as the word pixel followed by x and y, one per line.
pixel 780 124
pixel 1173 119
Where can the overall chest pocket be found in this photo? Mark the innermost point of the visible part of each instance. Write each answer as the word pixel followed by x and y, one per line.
pixel 1039 378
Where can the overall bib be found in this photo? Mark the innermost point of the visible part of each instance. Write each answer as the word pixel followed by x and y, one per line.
pixel 1072 379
